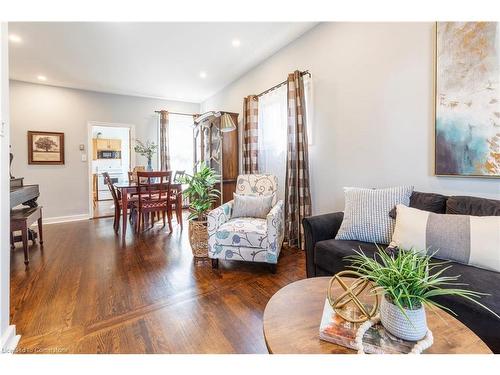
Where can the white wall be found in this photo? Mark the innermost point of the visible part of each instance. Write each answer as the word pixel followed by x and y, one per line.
pixel 64 188
pixel 373 103
pixel 7 333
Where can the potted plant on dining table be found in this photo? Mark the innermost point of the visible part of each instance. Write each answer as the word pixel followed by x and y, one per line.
pixel 147 150
pixel 202 194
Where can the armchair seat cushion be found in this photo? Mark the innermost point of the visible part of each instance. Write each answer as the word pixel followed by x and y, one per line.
pixel 247 232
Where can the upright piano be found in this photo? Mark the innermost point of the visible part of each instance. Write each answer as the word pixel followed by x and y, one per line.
pixel 25 195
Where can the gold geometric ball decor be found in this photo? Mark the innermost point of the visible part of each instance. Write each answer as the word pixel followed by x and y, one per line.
pixel 348 305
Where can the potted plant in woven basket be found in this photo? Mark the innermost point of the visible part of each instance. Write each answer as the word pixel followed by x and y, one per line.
pixel 202 194
pixel 407 281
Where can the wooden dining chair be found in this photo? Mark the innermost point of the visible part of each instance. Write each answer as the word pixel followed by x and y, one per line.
pixel 178 175
pixel 117 200
pixel 132 175
pixel 177 197
pixel 154 197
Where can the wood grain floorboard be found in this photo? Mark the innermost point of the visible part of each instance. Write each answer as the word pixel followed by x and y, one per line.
pixel 85 292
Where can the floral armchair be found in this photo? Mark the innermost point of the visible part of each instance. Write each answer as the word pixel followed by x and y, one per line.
pixel 247 239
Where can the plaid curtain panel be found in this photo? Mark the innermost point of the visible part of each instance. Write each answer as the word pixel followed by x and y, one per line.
pixel 164 149
pixel 250 130
pixel 297 191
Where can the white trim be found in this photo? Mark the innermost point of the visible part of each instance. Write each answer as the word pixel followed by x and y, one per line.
pixel 90 124
pixel 64 219
pixel 4 186
pixel 9 340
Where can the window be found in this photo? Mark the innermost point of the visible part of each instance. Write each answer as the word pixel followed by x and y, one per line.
pixel 272 136
pixel 180 132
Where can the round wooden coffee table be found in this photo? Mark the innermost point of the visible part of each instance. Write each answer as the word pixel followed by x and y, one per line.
pixel 292 317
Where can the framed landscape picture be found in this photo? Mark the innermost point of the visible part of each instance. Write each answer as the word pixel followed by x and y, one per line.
pixel 45 148
pixel 467 128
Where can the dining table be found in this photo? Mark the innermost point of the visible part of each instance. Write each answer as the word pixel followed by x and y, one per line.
pixel 130 188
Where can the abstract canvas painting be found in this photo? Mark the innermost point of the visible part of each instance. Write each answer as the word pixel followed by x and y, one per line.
pixel 467 99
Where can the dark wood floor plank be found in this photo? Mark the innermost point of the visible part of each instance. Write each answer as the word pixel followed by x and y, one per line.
pixel 85 292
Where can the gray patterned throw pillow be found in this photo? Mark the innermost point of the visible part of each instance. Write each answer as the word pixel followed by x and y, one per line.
pixel 472 240
pixel 366 215
pixel 252 206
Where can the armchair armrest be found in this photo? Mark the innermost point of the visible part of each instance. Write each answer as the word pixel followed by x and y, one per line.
pixel 215 219
pixel 275 231
pixel 219 216
pixel 319 228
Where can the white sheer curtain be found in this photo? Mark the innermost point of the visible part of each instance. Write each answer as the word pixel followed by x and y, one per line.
pixel 181 143
pixel 273 135
pixel 272 138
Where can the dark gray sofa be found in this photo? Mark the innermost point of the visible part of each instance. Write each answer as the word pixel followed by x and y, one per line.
pixel 325 257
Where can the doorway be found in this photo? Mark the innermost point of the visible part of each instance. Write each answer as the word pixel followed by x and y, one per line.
pixel 110 150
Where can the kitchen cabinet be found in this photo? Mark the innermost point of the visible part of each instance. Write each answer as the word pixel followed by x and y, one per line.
pixel 103 144
pixel 114 144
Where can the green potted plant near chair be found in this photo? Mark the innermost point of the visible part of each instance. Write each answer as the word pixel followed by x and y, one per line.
pixel 408 280
pixel 147 150
pixel 202 194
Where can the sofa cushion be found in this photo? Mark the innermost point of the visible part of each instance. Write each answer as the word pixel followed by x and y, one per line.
pixel 248 232
pixel 329 254
pixel 478 280
pixel 459 205
pixel 482 322
pixel 431 202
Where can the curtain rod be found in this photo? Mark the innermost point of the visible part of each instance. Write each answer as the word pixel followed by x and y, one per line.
pixel 178 113
pixel 194 114
pixel 305 72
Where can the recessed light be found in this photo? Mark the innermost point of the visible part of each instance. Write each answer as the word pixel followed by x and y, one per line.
pixel 41 78
pixel 236 42
pixel 15 38
pixel 203 75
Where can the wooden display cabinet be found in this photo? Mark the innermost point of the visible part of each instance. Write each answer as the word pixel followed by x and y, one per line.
pixel 219 150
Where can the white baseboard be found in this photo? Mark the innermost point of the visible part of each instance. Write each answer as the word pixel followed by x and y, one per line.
pixel 9 340
pixel 64 219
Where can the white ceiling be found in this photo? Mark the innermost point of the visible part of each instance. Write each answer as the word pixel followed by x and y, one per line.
pixel 161 60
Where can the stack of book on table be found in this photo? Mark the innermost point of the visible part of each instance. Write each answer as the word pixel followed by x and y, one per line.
pixel 336 330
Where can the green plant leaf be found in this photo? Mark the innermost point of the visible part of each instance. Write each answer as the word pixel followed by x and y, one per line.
pixel 410 278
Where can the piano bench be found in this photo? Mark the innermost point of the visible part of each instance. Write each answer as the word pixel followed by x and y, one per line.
pixel 20 220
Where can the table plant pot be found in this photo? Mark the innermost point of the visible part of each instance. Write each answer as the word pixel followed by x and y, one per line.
pixel 410 325
pixel 198 238
pixel 408 279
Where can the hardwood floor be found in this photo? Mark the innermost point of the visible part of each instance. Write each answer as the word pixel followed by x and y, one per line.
pixel 104 208
pixel 85 293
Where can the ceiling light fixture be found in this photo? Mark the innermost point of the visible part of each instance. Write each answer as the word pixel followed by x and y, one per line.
pixel 236 42
pixel 15 38
pixel 203 75
pixel 41 78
